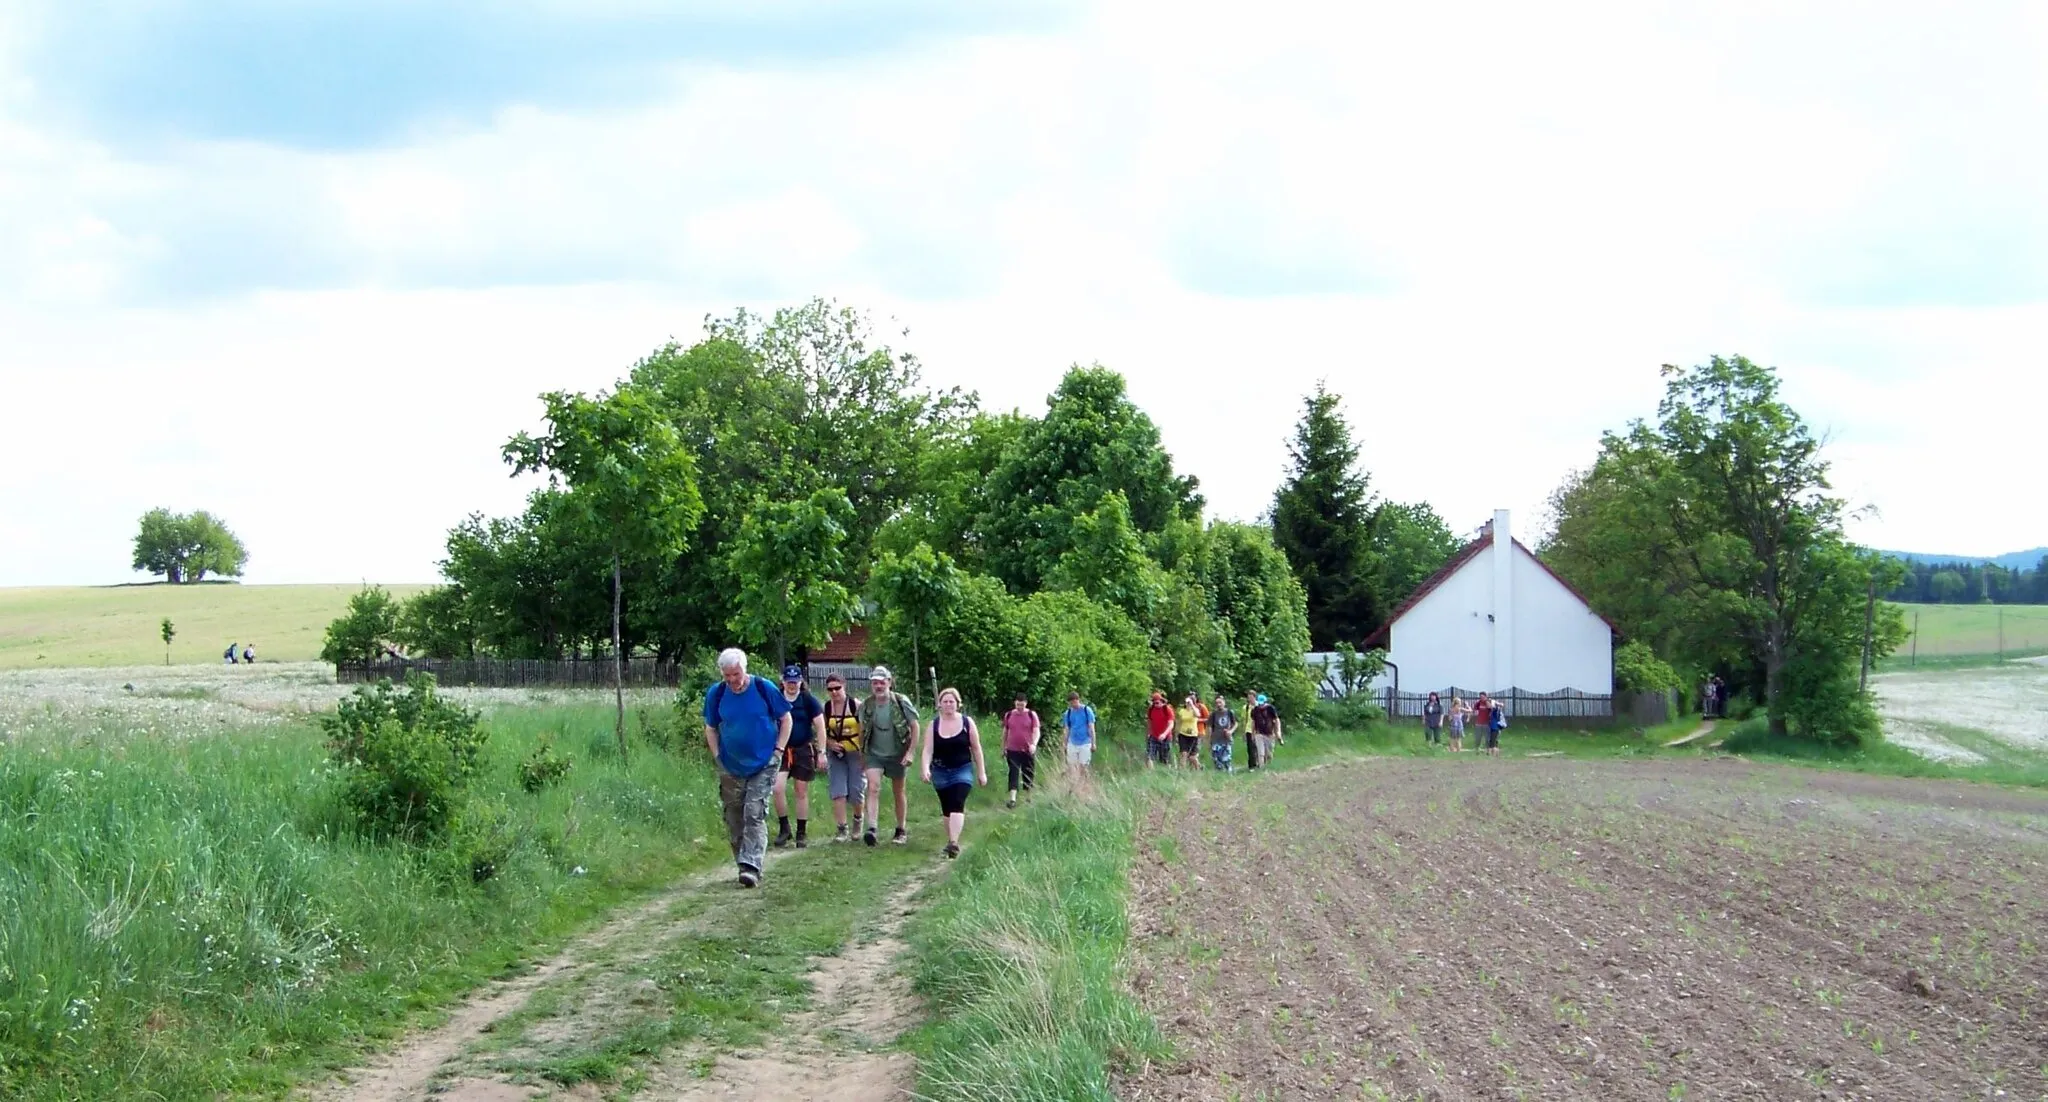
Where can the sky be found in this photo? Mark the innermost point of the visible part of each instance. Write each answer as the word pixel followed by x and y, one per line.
pixel 308 264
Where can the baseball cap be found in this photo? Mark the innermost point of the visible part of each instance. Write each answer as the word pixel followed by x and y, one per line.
pixel 1263 700
pixel 880 673
pixel 792 672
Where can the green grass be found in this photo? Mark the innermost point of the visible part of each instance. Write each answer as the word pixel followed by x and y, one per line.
pixel 2004 764
pixel 1948 631
pixel 118 625
pixel 191 919
pixel 1021 952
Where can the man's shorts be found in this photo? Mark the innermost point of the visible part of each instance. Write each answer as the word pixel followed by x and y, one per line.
pixel 1081 754
pixel 891 766
pixel 1186 743
pixel 1159 750
pixel 800 761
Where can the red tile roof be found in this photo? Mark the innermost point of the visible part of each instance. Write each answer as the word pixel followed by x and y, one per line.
pixel 1467 553
pixel 850 645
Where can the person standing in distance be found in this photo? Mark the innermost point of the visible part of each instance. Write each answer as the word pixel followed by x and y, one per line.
pixel 952 764
pixel 746 725
pixel 1251 736
pixel 801 759
pixel 1020 744
pixel 1158 732
pixel 888 721
pixel 1433 721
pixel 1079 720
pixel 845 769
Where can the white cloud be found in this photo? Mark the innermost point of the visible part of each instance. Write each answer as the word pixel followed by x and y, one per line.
pixel 1486 232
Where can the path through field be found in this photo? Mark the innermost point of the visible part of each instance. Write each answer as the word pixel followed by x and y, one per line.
pixel 1555 929
pixel 616 1009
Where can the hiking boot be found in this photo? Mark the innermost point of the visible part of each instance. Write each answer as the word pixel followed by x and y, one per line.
pixel 1013 800
pixel 840 835
pixel 749 878
pixel 782 839
pixel 901 838
pixel 952 850
pixel 869 837
pixel 801 841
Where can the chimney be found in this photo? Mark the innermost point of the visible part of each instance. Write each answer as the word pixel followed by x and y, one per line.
pixel 1503 601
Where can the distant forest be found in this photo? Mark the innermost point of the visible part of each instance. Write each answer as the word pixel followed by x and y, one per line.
pixel 1970 583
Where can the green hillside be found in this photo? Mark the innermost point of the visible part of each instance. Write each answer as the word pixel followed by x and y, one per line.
pixel 1958 630
pixel 117 625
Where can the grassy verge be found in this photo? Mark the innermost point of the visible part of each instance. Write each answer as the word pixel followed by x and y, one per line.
pixel 190 918
pixel 2003 765
pixel 1021 951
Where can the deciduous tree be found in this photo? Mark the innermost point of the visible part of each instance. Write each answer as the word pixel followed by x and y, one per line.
pixel 628 479
pixel 787 568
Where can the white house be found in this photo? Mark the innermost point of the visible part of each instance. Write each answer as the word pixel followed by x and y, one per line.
pixel 1495 618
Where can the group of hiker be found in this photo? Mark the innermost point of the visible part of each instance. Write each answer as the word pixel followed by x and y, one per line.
pixel 248 655
pixel 1486 716
pixel 1170 728
pixel 771 741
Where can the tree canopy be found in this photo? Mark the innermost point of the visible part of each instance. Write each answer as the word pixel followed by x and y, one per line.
pixel 186 547
pixel 1712 536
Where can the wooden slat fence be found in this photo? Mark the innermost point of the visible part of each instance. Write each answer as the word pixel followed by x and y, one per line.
pixel 515 672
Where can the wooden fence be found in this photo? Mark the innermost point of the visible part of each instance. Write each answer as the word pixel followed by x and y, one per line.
pixel 515 672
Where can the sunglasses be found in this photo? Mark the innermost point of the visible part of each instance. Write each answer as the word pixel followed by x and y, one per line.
pixel 835 688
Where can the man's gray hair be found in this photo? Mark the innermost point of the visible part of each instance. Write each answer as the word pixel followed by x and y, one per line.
pixel 732 658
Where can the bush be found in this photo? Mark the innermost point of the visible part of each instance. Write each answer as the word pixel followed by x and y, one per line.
pixel 359 635
pixel 543 768
pixel 1637 669
pixel 481 841
pixel 405 757
pixel 1351 713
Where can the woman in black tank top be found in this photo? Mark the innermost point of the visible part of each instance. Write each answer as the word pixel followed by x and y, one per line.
pixel 953 764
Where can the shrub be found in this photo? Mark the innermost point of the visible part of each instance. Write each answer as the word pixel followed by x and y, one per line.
pixel 405 756
pixel 1637 669
pixel 1351 713
pixel 543 768
pixel 481 840
pixel 359 635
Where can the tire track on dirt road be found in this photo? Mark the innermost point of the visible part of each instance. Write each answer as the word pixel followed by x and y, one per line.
pixel 412 1071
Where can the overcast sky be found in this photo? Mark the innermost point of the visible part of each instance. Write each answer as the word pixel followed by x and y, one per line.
pixel 307 265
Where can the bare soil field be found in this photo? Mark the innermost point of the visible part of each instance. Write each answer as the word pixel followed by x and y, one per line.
pixel 1598 930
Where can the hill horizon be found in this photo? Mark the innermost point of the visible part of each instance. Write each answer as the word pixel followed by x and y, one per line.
pixel 2011 560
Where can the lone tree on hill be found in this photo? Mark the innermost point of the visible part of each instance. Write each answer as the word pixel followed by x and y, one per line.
pixel 169 631
pixel 186 547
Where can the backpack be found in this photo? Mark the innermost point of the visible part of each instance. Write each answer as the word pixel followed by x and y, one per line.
pixel 1500 718
pixel 760 689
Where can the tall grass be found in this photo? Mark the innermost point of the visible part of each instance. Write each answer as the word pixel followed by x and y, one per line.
pixel 187 918
pixel 1021 954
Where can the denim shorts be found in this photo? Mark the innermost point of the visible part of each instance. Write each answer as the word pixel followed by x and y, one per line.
pixel 944 776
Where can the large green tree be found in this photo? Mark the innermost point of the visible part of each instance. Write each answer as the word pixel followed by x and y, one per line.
pixel 1093 441
pixel 186 547
pixel 1410 542
pixel 1713 534
pixel 915 588
pixel 629 480
pixel 1323 523
pixel 787 567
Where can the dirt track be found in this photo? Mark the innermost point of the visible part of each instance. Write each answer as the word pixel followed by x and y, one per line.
pixel 1470 929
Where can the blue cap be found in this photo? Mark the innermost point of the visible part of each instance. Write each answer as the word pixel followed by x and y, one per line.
pixel 792 672
pixel 1263 700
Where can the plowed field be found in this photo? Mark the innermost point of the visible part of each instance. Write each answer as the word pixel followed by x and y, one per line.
pixel 1545 930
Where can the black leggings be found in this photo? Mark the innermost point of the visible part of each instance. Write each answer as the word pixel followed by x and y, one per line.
pixel 953 798
pixel 1023 764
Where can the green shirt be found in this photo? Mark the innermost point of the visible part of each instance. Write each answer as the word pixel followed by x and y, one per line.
pixel 887 722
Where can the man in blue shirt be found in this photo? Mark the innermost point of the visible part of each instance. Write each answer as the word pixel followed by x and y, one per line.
pixel 746 725
pixel 1079 721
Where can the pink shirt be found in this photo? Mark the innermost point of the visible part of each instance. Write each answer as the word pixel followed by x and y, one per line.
pixel 1018 727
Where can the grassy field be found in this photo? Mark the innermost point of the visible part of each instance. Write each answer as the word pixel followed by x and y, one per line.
pixel 117 625
pixel 1948 631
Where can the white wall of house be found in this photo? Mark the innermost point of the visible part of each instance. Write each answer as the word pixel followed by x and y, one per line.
pixel 1502 622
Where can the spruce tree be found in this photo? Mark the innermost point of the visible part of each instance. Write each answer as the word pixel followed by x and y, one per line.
pixel 1323 521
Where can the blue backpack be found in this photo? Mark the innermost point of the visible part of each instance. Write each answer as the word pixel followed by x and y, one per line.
pixel 760 689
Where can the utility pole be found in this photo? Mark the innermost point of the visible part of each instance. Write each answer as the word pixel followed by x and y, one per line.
pixel 1869 620
pixel 1915 659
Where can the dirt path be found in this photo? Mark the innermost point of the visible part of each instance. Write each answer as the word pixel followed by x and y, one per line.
pixel 598 993
pixel 1705 728
pixel 415 1069
pixel 836 1051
